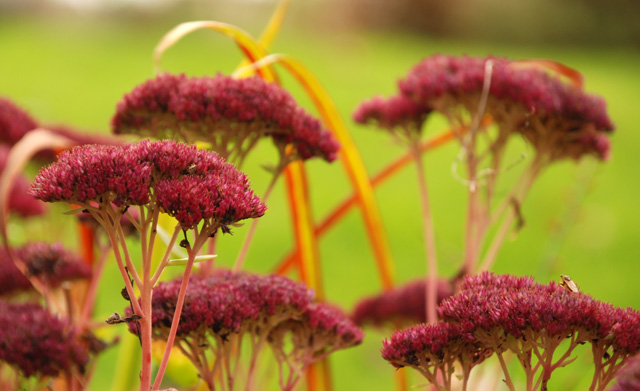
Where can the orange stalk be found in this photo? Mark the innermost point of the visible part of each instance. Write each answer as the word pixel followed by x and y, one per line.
pixel 574 76
pixel 341 210
pixel 249 47
pixel 349 155
pixel 87 244
pixel 308 261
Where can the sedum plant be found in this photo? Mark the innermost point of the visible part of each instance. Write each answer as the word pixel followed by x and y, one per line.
pixel 198 188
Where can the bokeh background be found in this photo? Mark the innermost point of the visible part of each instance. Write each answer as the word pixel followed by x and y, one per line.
pixel 70 61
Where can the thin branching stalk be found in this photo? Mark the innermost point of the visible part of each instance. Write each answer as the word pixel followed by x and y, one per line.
pixel 244 250
pixel 429 239
pixel 199 242
pixel 511 214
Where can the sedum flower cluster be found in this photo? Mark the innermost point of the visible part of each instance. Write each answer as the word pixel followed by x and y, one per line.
pixel 557 118
pixel 401 306
pixel 540 324
pixel 225 309
pixel 231 114
pixel 187 183
pixel 37 343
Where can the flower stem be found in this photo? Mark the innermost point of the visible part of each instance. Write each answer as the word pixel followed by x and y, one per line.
pixel 512 213
pixel 178 311
pixel 87 306
pixel 431 289
pixel 244 250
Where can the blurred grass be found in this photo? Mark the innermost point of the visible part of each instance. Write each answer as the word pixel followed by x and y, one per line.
pixel 74 70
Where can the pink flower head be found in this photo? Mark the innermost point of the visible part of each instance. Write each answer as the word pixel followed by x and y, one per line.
pixel 52 264
pixel 98 173
pixel 14 122
pixel 519 307
pixel 434 348
pixel 559 119
pixel 223 196
pixel 190 184
pixel 299 342
pixel 230 113
pixel 395 112
pixel 403 305
pixel 228 303
pixel 38 343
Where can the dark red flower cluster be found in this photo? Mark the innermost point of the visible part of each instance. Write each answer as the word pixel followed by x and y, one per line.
pixel 434 350
pixel 37 343
pixel 19 202
pixel 49 263
pixel 187 183
pixel 14 122
pixel 515 305
pixel 559 119
pixel 52 264
pixel 228 303
pixel 265 308
pixel 321 330
pixel 391 113
pixel 224 111
pixel 494 313
pixel 402 306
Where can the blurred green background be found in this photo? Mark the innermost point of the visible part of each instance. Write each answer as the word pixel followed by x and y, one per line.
pixel 70 64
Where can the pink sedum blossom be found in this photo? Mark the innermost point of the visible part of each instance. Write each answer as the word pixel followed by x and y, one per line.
pixel 224 111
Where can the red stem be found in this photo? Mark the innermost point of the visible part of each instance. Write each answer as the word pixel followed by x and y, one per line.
pixel 178 311
pixel 431 289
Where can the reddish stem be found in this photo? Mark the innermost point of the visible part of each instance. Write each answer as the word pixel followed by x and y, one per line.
pixel 178 311
pixel 249 238
pixel 431 289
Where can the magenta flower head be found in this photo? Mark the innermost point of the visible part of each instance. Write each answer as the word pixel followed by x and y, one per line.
pixel 558 119
pixel 190 184
pixel 397 113
pixel 14 122
pixel 229 303
pixel 52 264
pixel 220 310
pixel 404 305
pixel 231 114
pixel 505 312
pixel 37 343
pixel 434 350
pixel 320 331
